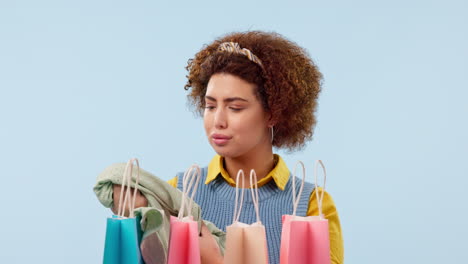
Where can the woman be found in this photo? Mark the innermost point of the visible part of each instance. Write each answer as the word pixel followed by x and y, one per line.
pixel 255 90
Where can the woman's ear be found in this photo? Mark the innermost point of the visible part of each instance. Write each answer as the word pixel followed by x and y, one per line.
pixel 271 121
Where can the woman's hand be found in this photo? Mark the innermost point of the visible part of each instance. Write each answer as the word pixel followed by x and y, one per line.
pixel 209 249
pixel 140 199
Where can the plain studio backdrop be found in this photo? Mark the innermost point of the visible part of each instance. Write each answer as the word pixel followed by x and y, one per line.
pixel 85 84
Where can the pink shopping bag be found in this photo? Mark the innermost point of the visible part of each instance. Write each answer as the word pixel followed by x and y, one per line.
pixel 184 246
pixel 246 244
pixel 305 240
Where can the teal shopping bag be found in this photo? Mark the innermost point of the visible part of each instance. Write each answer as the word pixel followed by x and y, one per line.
pixel 123 238
pixel 123 234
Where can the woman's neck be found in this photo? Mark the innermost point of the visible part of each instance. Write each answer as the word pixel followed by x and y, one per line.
pixel 261 161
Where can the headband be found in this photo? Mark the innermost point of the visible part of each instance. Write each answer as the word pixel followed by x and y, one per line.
pixel 235 48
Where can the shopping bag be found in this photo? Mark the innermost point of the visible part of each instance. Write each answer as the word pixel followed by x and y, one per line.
pixel 305 240
pixel 245 243
pixel 123 234
pixel 184 247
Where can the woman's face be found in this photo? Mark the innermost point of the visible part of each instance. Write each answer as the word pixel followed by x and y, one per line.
pixel 234 119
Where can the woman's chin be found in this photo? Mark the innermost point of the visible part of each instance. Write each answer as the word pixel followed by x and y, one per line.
pixel 223 151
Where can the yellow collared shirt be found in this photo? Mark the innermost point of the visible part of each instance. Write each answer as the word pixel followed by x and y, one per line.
pixel 280 174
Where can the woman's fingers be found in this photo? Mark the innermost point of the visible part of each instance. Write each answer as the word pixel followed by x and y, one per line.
pixel 209 249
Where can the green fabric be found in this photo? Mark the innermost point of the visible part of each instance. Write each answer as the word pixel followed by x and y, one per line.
pixel 163 201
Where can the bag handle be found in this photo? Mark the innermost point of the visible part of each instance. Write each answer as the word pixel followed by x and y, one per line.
pixel 320 200
pixel 191 177
pixel 254 192
pixel 298 197
pixel 126 181
pixel 237 211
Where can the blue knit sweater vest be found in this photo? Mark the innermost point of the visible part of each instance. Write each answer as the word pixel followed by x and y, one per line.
pixel 216 200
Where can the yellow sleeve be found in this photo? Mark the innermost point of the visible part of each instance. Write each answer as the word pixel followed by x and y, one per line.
pixel 173 182
pixel 330 213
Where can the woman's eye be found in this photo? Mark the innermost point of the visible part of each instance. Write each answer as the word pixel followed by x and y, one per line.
pixel 209 107
pixel 235 109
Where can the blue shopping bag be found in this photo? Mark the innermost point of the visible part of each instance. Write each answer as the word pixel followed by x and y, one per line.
pixel 123 234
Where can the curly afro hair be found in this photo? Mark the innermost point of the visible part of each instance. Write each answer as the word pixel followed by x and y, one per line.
pixel 288 84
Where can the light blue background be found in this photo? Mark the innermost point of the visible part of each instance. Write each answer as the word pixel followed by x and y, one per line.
pixel 88 83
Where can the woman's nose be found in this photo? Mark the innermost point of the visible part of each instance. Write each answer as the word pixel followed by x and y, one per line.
pixel 220 120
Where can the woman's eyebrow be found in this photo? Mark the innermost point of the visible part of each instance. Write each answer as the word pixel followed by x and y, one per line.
pixel 228 100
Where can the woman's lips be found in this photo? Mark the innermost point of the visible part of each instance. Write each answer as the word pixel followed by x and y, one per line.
pixel 220 139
